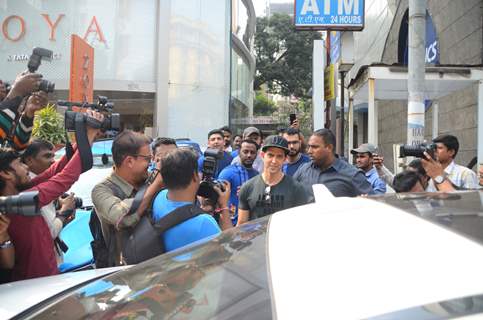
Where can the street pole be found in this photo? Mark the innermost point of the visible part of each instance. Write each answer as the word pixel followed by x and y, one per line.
pixel 416 65
pixel 342 78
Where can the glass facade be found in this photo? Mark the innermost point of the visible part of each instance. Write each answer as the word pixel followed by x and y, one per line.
pixel 242 64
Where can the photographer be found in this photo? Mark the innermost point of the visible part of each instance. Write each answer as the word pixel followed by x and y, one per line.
pixel 18 134
pixel 34 247
pixel 39 156
pixel 113 197
pixel 216 141
pixel 179 170
pixel 445 170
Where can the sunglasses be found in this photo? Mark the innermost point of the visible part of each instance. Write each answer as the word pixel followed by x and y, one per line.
pixel 266 195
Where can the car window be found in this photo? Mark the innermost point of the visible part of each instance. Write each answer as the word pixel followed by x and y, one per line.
pixel 462 212
pixel 450 309
pixel 225 278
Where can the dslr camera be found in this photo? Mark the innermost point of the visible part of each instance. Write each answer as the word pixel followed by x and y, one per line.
pixel 206 189
pixel 39 54
pixel 417 151
pixel 78 203
pixel 25 203
pixel 112 121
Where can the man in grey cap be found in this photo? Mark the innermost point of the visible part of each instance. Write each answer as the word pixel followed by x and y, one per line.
pixel 364 160
pixel 251 133
pixel 272 190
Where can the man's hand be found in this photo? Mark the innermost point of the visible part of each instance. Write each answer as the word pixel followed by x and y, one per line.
pixel 25 84
pixel 92 132
pixel 378 161
pixel 67 202
pixel 295 124
pixel 35 102
pixel 433 168
pixel 3 90
pixel 4 223
pixel 223 196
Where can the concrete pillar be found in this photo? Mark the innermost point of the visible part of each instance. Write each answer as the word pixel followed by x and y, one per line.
pixel 480 124
pixel 372 121
pixel 318 67
pixel 435 119
pixel 350 120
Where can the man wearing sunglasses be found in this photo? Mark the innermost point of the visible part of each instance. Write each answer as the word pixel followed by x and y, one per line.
pixel 272 190
pixel 114 196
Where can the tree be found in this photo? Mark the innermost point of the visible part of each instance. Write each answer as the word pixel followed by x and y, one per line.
pixel 283 56
pixel 262 106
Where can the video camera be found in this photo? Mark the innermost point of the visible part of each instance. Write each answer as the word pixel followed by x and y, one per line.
pixel 206 189
pixel 25 203
pixel 112 121
pixel 39 54
pixel 417 151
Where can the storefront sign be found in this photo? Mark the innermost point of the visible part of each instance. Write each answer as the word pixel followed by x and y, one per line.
pixel 329 83
pixel 329 14
pixel 81 71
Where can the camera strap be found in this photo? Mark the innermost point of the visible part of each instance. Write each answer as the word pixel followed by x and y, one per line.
pixel 82 142
pixel 69 150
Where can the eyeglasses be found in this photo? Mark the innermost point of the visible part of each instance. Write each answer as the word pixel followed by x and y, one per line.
pixel 145 157
pixel 266 195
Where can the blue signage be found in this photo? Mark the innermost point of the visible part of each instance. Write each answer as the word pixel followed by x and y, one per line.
pixel 329 14
pixel 334 46
pixel 432 47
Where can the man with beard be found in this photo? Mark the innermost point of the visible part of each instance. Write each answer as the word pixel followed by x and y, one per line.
pixel 227 138
pixel 238 174
pixel 365 161
pixel 342 179
pixel 272 190
pixel 295 157
pixel 113 197
pixel 34 246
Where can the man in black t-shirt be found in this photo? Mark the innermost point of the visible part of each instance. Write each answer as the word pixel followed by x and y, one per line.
pixel 271 191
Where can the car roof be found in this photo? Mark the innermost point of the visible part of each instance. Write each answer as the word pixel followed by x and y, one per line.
pixel 337 258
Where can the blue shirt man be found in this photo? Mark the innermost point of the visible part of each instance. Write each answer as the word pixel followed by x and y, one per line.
pixel 179 170
pixel 192 230
pixel 216 141
pixel 295 157
pixel 238 174
pixel 364 161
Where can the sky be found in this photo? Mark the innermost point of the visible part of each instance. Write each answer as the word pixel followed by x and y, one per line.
pixel 261 4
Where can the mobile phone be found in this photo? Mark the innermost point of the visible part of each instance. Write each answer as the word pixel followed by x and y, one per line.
pixel 292 118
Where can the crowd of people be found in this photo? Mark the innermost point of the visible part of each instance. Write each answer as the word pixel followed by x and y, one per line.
pixel 156 183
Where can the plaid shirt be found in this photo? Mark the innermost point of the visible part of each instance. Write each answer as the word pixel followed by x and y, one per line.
pixel 461 177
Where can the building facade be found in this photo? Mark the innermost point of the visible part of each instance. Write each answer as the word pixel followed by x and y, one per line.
pixel 170 65
pixel 454 50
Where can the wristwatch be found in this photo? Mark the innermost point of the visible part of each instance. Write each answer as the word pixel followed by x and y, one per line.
pixel 439 179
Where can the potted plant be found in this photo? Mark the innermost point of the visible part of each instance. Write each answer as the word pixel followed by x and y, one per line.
pixel 49 126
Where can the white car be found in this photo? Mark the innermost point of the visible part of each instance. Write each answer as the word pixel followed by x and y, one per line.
pixel 414 256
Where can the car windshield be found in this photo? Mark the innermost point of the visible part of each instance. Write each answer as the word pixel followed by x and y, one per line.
pixel 226 277
pixel 461 212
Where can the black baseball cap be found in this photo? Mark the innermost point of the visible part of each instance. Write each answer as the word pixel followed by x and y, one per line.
pixel 275 142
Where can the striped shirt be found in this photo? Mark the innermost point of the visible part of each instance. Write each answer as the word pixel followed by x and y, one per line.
pixel 22 132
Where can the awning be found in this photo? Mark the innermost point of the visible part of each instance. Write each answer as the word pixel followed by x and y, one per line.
pixel 384 82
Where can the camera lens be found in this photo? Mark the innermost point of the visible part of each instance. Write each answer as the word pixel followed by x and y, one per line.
pixel 46 86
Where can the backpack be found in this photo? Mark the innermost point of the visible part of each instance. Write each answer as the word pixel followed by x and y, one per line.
pixel 143 241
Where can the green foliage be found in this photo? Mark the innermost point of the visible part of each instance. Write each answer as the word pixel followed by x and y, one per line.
pixel 49 125
pixel 283 56
pixel 262 106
